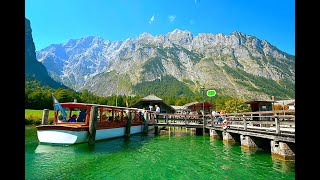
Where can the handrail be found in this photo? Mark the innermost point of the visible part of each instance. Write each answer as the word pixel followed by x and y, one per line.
pixel 278 121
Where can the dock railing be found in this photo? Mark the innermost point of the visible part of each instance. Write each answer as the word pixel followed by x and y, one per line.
pixel 278 121
pixel 186 119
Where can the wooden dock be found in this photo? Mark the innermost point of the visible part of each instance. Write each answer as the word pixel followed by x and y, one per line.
pixel 247 128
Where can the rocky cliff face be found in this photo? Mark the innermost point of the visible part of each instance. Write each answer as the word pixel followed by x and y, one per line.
pixel 234 64
pixel 34 70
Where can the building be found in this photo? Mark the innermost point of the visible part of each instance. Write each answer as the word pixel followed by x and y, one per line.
pixel 292 105
pixel 260 105
pixel 181 110
pixel 149 103
pixel 198 106
pixel 289 102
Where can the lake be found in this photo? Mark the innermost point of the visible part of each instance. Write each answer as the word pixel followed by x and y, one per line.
pixel 178 155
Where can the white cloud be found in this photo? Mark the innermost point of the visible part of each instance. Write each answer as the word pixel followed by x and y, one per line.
pixel 172 18
pixel 151 19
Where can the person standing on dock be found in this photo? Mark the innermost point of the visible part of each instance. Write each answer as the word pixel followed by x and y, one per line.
pixel 157 111
pixel 213 113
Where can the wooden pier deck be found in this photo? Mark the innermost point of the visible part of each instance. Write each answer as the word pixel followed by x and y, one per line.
pixel 273 129
pixel 275 125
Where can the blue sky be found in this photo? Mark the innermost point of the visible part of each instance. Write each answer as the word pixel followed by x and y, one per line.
pixel 57 21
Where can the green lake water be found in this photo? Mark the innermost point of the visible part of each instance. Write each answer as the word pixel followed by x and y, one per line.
pixel 180 155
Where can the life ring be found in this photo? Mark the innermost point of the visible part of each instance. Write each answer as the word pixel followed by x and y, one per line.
pixel 224 124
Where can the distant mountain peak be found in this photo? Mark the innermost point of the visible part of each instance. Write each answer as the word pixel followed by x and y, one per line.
pixel 229 62
pixel 180 32
pixel 145 35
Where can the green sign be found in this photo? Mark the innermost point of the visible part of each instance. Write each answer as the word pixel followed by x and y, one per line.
pixel 211 93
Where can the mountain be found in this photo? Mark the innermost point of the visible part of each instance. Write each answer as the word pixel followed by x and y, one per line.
pixel 34 70
pixel 235 65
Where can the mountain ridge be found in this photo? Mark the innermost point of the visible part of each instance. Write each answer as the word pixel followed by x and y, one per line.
pixel 89 62
pixel 34 70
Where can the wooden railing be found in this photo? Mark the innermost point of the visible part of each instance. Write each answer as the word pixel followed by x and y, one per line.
pixel 278 122
pixel 181 119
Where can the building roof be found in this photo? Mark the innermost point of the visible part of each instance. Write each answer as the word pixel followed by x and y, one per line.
pixel 196 104
pixel 285 102
pixel 190 104
pixel 151 97
pixel 292 103
pixel 154 99
pixel 258 101
pixel 179 107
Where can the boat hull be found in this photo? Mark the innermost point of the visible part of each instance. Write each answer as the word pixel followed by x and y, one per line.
pixel 72 136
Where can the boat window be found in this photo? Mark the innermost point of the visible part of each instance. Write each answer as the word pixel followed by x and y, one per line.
pixel 82 115
pixel 104 115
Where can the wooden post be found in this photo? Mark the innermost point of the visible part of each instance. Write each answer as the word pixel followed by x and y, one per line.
pixel 92 125
pixel 128 125
pixel 45 116
pixel 277 125
pixel 145 124
pixel 156 131
pixel 244 124
pixel 212 121
pixel 167 121
pixel 112 115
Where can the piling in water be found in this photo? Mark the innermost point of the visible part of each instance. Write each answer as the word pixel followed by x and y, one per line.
pixel 128 124
pixel 92 125
pixel 45 116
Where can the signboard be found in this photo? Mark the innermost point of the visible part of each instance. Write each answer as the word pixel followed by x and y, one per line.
pixel 211 93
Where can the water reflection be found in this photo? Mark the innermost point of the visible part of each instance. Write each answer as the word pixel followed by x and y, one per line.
pixel 105 146
pixel 283 165
pixel 246 150
pixel 176 131
pixel 229 143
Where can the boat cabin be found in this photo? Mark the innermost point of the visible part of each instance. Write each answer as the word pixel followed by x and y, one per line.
pixel 111 115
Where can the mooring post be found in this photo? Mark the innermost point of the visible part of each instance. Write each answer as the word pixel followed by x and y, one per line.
pixel 145 123
pixel 93 125
pixel 45 116
pixel 277 125
pixel 128 125
pixel 244 124
pixel 212 121
pixel 156 131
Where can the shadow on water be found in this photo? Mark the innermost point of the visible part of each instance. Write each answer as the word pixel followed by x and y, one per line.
pixel 176 131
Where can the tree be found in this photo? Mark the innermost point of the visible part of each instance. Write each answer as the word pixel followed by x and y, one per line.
pixel 235 105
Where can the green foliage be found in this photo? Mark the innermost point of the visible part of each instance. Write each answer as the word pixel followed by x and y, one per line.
pixel 153 65
pixel 39 97
pixel 35 116
pixel 188 81
pixel 168 86
pixel 236 105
